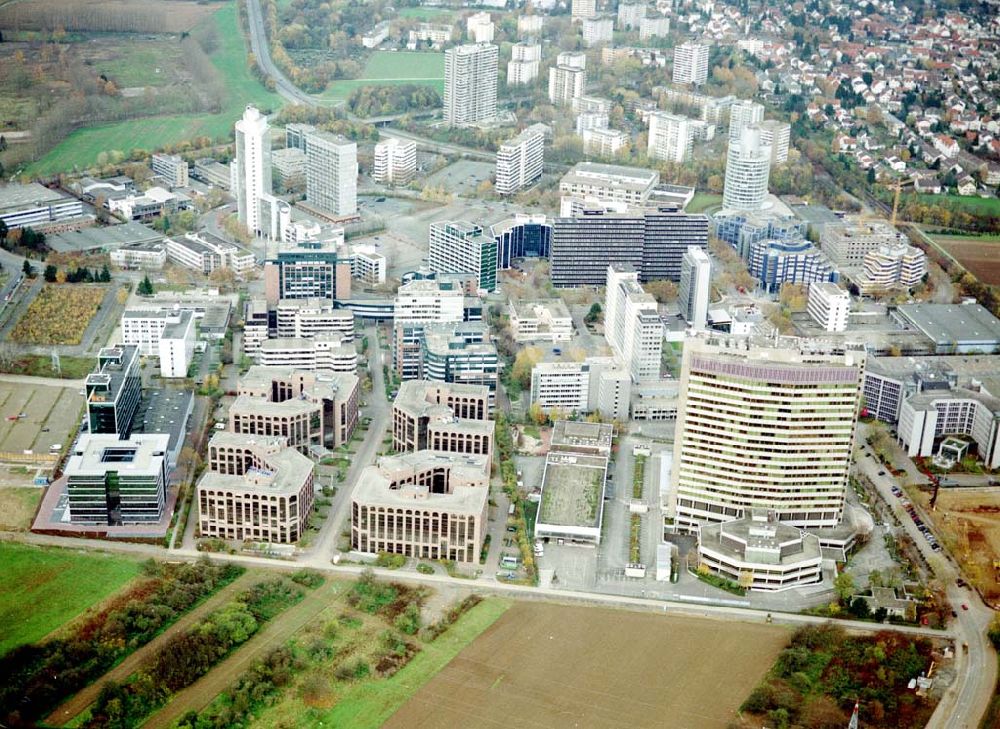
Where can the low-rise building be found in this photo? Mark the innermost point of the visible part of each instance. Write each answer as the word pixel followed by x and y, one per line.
pixel 321 352
pixel 425 504
pixel 604 142
pixel 207 253
pixel 117 481
pixel 609 183
pixel 255 489
pixel 172 168
pixel 153 203
pixel 952 328
pixel 289 164
pixel 760 553
pixel 829 306
pixel 309 318
pixel 546 320
pixel 309 408
pixel 33 206
pixel 141 256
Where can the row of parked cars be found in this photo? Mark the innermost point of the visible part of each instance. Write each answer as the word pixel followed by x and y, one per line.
pixel 923 528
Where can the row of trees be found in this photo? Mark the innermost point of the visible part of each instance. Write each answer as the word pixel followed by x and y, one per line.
pixel 37 677
pixel 52 274
pixel 381 100
pixel 190 655
pixel 24 239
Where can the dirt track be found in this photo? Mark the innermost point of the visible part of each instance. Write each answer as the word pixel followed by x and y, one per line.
pixel 126 668
pixel 544 665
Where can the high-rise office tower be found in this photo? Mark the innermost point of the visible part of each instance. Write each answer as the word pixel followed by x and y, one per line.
pixel 671 137
pixel 252 167
pixel 520 160
pixel 763 426
pixel 778 135
pixel 394 161
pixel 332 173
pixel 742 114
pixel 632 324
pixel 748 167
pixel 695 287
pixel 691 63
pixel 470 84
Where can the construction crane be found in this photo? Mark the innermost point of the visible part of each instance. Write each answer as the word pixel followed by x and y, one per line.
pixel 900 182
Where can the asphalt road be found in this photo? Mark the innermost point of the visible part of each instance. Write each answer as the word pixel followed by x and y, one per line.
pixel 965 703
pixel 262 52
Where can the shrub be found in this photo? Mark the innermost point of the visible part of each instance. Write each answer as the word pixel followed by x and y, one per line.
pixel 425 569
pixel 308 578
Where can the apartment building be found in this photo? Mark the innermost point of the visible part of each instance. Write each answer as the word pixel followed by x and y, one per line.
pixel 763 425
pixel 632 324
pixel 630 15
pixel 172 168
pixel 742 114
pixel 255 489
pixel 320 352
pixel 425 504
pixel 604 142
pixel 778 136
pixel 309 408
pixel 470 84
pixel 117 481
pixel 598 30
pixel 748 168
pixel 671 137
pixel 566 83
pixel 530 26
pixel 520 160
pixel 394 162
pixel 479 28
pixel 653 242
pixel 580 9
pixel 462 247
pixel 446 417
pixel 691 63
pixel 436 34
pixel 525 59
pixel 695 287
pixel 654 26
pixel 829 306
pixel 332 174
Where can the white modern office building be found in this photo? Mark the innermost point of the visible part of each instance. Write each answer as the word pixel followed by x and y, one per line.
pixel 309 318
pixel 470 84
pixel 596 385
pixel 176 345
pixel 829 306
pixel 670 137
pixel 748 168
pixel 695 287
pixel 322 352
pixel 332 174
pixel 763 425
pixel 394 161
pixel 525 59
pixel 632 324
pixel 691 63
pixel 520 160
pixel 251 172
pixel 892 265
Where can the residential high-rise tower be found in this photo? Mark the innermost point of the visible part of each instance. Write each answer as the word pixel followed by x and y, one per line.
pixel 251 175
pixel 470 84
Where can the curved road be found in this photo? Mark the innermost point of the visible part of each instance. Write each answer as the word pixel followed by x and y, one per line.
pixel 262 52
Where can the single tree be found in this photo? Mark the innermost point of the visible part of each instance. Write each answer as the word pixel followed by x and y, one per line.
pixel 145 287
pixel 28 269
pixel 50 273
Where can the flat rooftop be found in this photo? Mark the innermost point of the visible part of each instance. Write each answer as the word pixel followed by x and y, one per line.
pixel 101 452
pixel 414 395
pixel 126 235
pixel 567 434
pixel 572 490
pixel 167 412
pixel 953 323
pixel 286 472
pixel 556 308
pixel 374 484
pixel 16 196
pixel 589 172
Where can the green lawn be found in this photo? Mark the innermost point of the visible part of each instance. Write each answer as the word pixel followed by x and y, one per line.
pixel 371 703
pixel 428 14
pixel 985 206
pixel 702 201
pixel 138 61
pixel 45 588
pixel 392 68
pixel 80 149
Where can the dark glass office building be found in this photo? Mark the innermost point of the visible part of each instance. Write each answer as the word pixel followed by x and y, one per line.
pixel 114 390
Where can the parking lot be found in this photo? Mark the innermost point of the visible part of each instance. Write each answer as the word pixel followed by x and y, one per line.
pixel 51 415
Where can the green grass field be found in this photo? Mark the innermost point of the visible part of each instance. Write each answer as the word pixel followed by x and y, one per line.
pixel 138 61
pixel 985 206
pixel 45 588
pixel 389 68
pixel 428 14
pixel 80 149
pixel 703 201
pixel 369 703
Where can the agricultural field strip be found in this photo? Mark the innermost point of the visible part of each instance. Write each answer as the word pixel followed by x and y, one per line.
pixel 275 632
pixel 78 703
